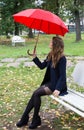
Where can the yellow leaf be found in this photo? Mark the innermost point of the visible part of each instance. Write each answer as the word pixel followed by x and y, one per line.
pixel 76 118
pixel 57 113
pixel 79 129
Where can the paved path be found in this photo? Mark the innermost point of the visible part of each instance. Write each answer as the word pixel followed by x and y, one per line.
pixel 12 62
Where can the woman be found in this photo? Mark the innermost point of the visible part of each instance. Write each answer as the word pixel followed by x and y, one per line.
pixel 54 81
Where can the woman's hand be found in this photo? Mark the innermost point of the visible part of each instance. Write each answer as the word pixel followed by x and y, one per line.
pixel 56 93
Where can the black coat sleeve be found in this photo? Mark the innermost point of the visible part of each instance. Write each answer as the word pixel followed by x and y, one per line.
pixel 61 83
pixel 40 64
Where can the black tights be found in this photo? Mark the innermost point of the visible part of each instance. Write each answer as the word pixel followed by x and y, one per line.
pixel 35 102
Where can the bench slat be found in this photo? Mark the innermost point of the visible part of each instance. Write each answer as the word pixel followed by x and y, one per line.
pixel 68 106
pixel 73 100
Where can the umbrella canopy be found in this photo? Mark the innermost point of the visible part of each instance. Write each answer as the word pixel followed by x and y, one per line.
pixel 41 20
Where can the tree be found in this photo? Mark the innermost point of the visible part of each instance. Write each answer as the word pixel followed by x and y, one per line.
pixel 77 21
pixel 74 7
pixel 6 21
pixel 52 6
pixel 76 12
pixel 9 8
pixel 67 9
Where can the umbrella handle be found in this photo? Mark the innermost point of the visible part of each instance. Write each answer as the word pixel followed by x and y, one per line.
pixel 33 51
pixel 29 53
pixel 34 47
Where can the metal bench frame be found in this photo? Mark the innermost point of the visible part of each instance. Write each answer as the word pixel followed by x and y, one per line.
pixel 74 107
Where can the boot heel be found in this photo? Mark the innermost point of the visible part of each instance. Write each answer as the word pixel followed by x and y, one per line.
pixel 22 122
pixel 35 123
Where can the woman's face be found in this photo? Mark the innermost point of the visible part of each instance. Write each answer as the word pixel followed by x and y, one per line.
pixel 51 44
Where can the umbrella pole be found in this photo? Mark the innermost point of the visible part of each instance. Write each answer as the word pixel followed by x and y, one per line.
pixel 34 46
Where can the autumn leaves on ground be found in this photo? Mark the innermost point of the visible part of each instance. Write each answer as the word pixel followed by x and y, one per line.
pixel 16 87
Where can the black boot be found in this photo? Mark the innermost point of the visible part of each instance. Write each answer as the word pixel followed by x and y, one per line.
pixel 23 121
pixel 35 123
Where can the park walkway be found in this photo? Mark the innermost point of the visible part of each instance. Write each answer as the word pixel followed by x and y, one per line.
pixel 12 62
pixel 16 62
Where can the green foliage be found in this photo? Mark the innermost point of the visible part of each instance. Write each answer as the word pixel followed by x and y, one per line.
pixel 52 6
pixel 9 8
pixel 70 6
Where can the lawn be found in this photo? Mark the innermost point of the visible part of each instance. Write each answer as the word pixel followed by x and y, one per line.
pixel 71 47
pixel 17 84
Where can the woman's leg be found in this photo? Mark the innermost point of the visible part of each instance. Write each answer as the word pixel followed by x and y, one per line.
pixel 29 106
pixel 37 103
pixel 25 117
pixel 37 100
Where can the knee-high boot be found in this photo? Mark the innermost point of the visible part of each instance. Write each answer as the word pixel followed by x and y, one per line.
pixel 23 121
pixel 25 117
pixel 36 121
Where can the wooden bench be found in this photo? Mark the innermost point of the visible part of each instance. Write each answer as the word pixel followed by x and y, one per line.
pixel 17 39
pixel 73 100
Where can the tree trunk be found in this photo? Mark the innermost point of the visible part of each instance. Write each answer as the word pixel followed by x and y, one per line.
pixel 30 33
pixel 57 7
pixel 7 35
pixel 16 29
pixel 77 22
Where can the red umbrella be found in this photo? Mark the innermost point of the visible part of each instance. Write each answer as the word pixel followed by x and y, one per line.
pixel 41 20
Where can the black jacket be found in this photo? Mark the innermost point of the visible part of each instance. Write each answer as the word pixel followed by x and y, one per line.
pixel 57 75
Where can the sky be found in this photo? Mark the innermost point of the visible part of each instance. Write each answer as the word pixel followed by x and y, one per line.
pixel 38 2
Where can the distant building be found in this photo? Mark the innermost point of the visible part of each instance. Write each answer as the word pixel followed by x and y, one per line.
pixel 72 27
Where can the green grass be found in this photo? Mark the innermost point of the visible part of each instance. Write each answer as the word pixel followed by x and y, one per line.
pixel 16 87
pixel 71 47
pixel 17 84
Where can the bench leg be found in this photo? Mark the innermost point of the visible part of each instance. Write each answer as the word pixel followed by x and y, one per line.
pixel 13 43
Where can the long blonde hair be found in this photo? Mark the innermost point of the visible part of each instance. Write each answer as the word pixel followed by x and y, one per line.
pixel 57 50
